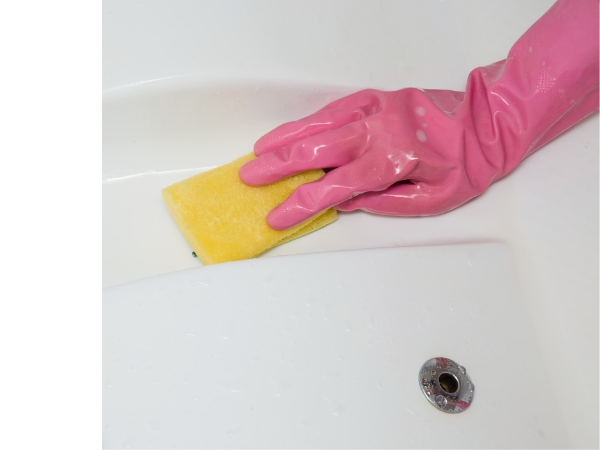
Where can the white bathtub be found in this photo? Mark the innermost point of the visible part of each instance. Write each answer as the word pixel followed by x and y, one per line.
pixel 192 85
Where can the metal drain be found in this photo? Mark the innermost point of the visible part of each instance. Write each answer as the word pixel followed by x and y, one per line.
pixel 446 385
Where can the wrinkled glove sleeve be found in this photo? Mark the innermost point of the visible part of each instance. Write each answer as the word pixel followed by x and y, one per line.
pixel 548 83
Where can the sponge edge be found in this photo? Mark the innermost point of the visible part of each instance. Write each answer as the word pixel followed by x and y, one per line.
pixel 225 220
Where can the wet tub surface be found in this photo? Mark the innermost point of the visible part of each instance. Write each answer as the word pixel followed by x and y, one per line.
pixel 177 102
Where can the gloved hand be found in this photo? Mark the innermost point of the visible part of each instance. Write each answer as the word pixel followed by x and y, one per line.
pixel 419 152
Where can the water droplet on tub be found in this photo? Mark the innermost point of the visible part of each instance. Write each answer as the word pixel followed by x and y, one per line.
pixel 280 386
pixel 232 432
pixel 332 374
pixel 372 322
pixel 337 409
pixel 228 330
pixel 153 426
pixel 237 385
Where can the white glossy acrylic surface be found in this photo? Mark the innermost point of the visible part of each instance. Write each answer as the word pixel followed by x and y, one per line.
pixel 189 85
pixel 324 351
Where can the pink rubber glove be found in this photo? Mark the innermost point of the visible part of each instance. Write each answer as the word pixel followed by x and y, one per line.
pixel 422 152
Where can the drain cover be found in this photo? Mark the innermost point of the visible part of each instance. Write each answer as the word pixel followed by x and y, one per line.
pixel 446 385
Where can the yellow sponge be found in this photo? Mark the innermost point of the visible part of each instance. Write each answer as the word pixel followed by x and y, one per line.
pixel 225 220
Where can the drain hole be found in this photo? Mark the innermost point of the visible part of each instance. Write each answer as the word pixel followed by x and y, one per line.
pixel 448 382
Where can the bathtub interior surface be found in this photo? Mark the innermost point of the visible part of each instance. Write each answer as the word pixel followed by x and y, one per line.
pixel 178 101
pixel 324 351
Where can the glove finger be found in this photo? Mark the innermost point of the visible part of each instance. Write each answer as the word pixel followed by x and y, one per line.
pixel 370 172
pixel 331 149
pixel 319 122
pixel 400 199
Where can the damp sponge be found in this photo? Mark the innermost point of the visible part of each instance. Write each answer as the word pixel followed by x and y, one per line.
pixel 225 220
